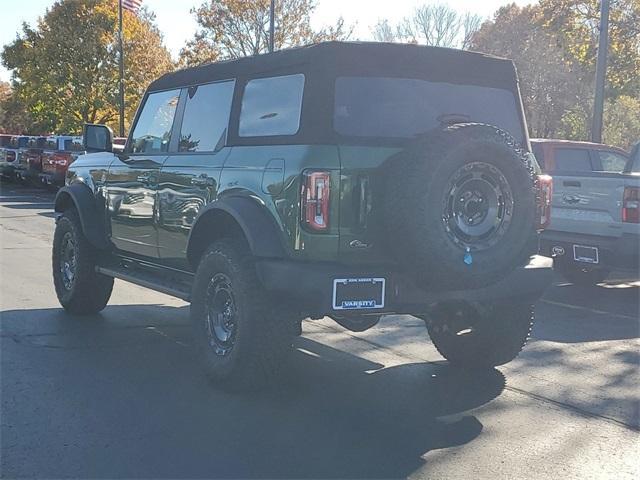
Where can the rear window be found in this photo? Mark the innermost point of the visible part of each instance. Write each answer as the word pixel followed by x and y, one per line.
pixel 612 161
pixel 572 160
pixel 538 153
pixel 405 107
pixel 51 143
pixel 73 144
pixel 4 140
pixel 272 106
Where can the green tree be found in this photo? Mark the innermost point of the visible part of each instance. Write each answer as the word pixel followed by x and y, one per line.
pixel 240 28
pixel 622 121
pixel 65 69
pixel 14 117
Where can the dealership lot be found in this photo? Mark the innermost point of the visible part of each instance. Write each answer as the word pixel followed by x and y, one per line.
pixel 121 394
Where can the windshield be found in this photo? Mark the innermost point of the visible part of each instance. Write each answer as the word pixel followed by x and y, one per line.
pixel 405 107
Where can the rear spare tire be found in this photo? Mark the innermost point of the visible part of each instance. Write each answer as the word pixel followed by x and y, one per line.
pixel 460 207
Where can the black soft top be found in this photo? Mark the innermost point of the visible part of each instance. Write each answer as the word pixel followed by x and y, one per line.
pixel 355 58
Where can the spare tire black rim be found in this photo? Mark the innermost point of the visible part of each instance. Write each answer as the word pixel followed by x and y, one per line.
pixel 478 206
pixel 222 314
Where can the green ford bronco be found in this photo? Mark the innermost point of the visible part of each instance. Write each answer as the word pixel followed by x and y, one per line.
pixel 348 180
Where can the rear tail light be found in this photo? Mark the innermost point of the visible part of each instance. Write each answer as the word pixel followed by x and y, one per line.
pixel 315 200
pixel 631 205
pixel 544 191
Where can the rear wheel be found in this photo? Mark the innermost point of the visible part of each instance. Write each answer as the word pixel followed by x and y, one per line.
pixel 480 337
pixel 241 339
pixel 80 289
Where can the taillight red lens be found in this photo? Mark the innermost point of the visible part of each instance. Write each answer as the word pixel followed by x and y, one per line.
pixel 544 189
pixel 631 205
pixel 316 187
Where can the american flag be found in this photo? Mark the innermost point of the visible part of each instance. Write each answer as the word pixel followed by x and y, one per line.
pixel 132 5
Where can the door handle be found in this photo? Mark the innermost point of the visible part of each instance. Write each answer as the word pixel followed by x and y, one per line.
pixel 203 180
pixel 571 183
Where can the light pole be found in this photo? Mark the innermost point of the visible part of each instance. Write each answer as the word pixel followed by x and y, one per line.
pixel 601 73
pixel 272 23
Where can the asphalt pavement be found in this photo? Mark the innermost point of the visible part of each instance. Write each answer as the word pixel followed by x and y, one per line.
pixel 120 394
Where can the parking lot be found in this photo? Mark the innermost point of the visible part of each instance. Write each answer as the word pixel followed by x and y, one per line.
pixel 121 395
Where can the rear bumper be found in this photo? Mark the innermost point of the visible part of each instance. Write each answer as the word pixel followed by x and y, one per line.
pixel 311 285
pixel 621 253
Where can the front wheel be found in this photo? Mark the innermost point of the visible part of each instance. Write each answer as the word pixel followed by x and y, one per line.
pixel 239 335
pixel 80 289
pixel 480 336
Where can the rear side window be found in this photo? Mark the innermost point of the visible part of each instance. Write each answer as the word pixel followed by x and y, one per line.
pixel 572 160
pixel 272 106
pixel 152 132
pixel 635 155
pixel 4 140
pixel 206 116
pixel 612 161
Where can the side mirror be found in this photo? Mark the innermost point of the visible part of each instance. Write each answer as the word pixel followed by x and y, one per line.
pixel 97 138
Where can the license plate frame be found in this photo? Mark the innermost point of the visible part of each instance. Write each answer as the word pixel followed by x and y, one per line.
pixel 586 254
pixel 358 293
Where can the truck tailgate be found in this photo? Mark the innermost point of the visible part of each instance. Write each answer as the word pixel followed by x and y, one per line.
pixel 588 203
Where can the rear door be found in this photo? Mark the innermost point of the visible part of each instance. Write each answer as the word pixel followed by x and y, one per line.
pixel 132 181
pixel 586 197
pixel 190 176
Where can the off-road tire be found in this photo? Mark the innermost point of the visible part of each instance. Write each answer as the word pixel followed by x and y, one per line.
pixel 582 277
pixel 417 182
pixel 89 291
pixel 262 338
pixel 499 333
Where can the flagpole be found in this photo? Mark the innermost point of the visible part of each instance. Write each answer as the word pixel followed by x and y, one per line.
pixel 121 62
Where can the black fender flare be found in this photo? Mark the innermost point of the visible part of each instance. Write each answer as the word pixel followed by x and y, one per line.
pixel 89 210
pixel 254 219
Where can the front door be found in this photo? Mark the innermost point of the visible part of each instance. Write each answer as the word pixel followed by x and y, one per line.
pixel 189 177
pixel 132 181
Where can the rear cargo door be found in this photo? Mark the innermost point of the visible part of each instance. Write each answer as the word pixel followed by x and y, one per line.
pixel 586 199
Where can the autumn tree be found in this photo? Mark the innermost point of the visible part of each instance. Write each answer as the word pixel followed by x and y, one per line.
pixel 549 86
pixel 14 117
pixel 240 28
pixel 436 25
pixel 65 69
pixel 577 23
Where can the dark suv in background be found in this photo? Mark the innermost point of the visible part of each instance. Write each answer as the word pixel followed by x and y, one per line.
pixel 348 180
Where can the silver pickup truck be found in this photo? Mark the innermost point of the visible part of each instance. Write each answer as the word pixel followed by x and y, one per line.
pixel 595 219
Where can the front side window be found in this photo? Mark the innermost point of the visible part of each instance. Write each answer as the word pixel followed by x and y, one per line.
pixel 612 161
pixel 406 107
pixel 573 160
pixel 272 106
pixel 206 116
pixel 152 132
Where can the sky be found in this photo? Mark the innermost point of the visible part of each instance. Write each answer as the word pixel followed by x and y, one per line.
pixel 178 25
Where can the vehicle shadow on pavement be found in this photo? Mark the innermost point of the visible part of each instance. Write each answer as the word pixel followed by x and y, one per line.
pixel 136 404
